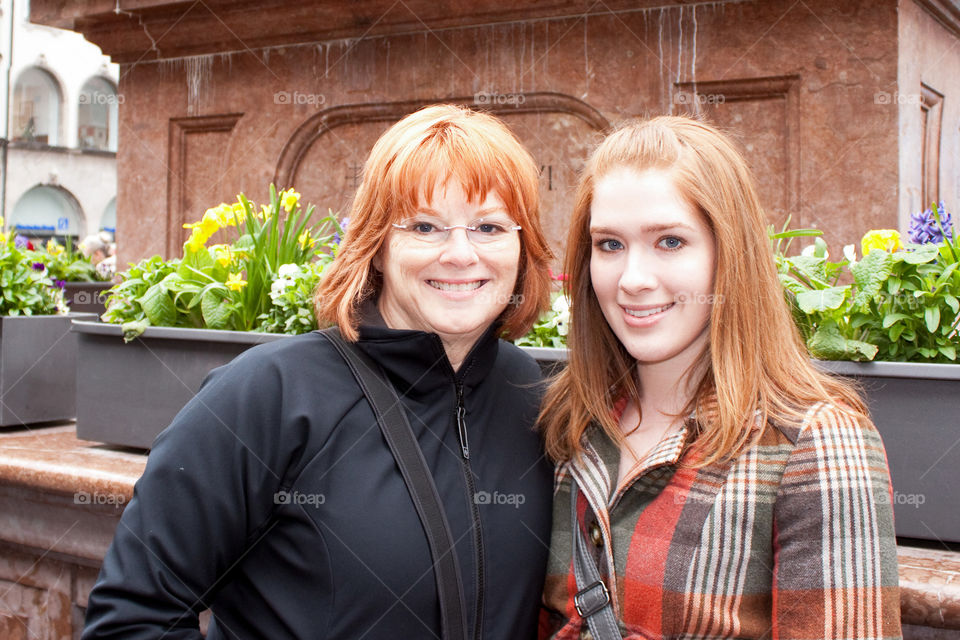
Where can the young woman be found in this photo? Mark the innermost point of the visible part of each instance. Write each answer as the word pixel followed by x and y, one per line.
pixel 724 487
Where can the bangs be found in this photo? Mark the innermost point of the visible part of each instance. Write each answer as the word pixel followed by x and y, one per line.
pixel 445 154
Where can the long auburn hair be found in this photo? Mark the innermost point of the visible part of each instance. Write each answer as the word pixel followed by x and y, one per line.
pixel 418 153
pixel 755 360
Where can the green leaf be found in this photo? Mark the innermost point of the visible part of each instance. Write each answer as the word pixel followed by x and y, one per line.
pixel 923 254
pixel 891 318
pixel 952 302
pixel 949 351
pixel 894 332
pixel 827 343
pixel 133 330
pixel 821 299
pixel 869 275
pixel 158 306
pixel 931 316
pixel 216 309
pixel 893 285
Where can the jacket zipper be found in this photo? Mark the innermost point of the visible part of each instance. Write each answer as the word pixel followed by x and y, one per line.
pixel 472 492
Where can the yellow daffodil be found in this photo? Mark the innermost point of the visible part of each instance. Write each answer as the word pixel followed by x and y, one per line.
pixel 306 241
pixel 238 213
pixel 289 199
pixel 53 247
pixel 223 253
pixel 196 242
pixel 885 239
pixel 265 212
pixel 235 282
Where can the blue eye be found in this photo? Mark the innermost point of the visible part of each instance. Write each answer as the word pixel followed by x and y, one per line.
pixel 670 243
pixel 609 245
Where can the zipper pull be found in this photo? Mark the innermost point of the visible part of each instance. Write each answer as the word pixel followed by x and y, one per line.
pixel 462 424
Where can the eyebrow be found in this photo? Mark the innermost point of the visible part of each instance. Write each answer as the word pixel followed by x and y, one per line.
pixel 650 228
pixel 479 214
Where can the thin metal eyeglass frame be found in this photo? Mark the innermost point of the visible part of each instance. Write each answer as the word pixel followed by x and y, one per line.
pixel 447 229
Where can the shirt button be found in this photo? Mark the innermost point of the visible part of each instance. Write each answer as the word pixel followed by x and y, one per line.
pixel 596 536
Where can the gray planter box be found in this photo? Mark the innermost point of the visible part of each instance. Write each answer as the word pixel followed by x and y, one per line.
pixel 129 393
pixel 38 369
pixel 916 409
pixel 87 297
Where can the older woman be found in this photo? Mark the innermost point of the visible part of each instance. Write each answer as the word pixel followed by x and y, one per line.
pixel 273 499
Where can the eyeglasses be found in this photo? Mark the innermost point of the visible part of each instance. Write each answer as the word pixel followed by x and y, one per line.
pixel 485 231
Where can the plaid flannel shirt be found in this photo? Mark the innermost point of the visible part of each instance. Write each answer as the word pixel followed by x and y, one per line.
pixel 792 540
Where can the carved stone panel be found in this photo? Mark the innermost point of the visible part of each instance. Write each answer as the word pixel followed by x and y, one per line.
pixel 324 158
pixel 762 114
pixel 198 151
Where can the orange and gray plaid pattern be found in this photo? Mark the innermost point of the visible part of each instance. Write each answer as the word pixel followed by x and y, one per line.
pixel 793 540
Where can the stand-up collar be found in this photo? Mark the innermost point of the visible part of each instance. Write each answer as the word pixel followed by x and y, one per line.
pixel 418 359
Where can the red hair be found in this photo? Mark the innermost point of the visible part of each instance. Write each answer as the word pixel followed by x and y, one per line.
pixel 424 150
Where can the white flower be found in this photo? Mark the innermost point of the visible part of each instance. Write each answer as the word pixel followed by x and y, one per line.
pixel 561 306
pixel 850 253
pixel 288 270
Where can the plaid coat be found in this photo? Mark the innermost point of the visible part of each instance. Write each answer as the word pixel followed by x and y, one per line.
pixel 792 540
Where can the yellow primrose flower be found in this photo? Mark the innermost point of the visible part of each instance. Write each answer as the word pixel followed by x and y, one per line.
pixel 53 247
pixel 885 239
pixel 289 199
pixel 306 241
pixel 238 213
pixel 223 253
pixel 196 242
pixel 235 282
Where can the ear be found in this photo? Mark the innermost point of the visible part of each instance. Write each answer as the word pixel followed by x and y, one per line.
pixel 377 261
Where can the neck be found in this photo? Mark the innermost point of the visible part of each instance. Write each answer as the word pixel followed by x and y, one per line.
pixel 667 387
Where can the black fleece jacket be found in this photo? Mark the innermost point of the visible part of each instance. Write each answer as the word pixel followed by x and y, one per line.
pixel 273 500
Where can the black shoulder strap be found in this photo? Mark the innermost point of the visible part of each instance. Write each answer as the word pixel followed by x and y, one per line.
pixel 396 431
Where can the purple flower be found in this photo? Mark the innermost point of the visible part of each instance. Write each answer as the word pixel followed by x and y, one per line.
pixel 38 266
pixel 20 242
pixel 60 283
pixel 924 227
pixel 336 234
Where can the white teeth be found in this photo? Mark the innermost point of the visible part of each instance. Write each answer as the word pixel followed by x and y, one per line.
pixel 647 312
pixel 448 286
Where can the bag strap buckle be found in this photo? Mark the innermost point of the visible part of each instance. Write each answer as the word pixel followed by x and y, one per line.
pixel 591 599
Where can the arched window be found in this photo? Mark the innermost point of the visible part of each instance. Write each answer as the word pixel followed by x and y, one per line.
pixel 36 108
pixel 108 221
pixel 44 212
pixel 97 115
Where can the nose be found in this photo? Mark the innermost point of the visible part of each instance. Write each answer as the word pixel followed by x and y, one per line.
pixel 639 273
pixel 458 250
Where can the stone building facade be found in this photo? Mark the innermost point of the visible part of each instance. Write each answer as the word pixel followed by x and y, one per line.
pixel 848 111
